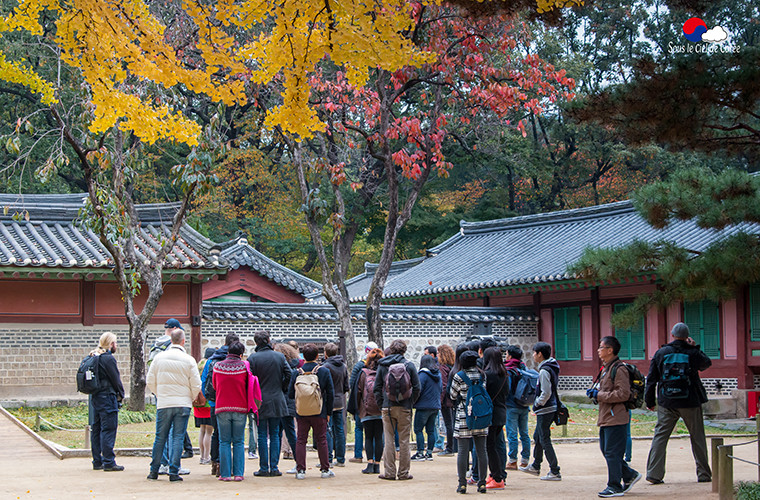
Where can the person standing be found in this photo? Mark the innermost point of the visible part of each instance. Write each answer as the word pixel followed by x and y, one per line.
pixel 352 405
pixel 517 414
pixel 288 424
pixel 202 416
pixel 273 372
pixel 426 407
pixel 369 413
pixel 105 404
pixel 336 435
pixel 316 422
pixel 445 363
pixel 173 378
pixel 497 386
pixel 674 377
pixel 613 392
pixel 398 392
pixel 545 408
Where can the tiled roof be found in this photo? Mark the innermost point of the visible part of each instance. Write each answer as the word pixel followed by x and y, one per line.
pixel 538 248
pixel 358 286
pixel 239 253
pixel 50 239
pixel 260 311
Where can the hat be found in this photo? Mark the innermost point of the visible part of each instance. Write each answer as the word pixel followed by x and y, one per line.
pixel 209 352
pixel 172 323
pixel 680 331
pixel 369 346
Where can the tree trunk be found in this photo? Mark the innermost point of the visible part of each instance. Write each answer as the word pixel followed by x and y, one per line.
pixel 137 335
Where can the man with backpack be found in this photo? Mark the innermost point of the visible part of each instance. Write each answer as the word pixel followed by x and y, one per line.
pixel 313 392
pixel 517 407
pixel 398 387
pixel 613 395
pixel 105 400
pixel 674 376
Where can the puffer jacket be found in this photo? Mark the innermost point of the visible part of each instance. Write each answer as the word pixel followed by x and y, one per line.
pixel 173 377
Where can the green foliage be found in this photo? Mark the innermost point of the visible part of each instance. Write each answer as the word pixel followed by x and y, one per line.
pixel 747 490
pixel 76 417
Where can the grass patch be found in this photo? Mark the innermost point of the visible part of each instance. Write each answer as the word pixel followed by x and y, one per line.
pixel 747 490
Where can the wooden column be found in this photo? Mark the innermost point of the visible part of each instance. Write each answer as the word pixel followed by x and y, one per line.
pixel 88 303
pixel 196 299
pixel 595 323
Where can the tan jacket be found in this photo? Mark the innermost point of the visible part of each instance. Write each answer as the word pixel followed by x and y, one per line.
pixel 613 395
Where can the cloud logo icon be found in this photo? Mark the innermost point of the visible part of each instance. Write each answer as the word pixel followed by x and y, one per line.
pixel 717 34
pixel 694 28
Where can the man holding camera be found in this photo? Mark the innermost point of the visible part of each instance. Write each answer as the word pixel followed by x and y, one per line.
pixel 612 392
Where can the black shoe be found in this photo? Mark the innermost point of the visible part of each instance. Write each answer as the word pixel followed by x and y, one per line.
pixel 462 488
pixel 627 485
pixel 97 467
pixel 175 477
pixel 187 454
pixel 655 481
pixel 482 488
pixel 261 473
pixel 113 468
pixel 704 480
pixel 275 473
pixel 418 457
pixel 369 470
pixel 377 468
pixel 609 492
pixel 153 476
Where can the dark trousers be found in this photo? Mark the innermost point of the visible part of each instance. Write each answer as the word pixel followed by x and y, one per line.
pixel 465 447
pixel 214 438
pixel 187 445
pixel 612 441
pixel 667 418
pixel 497 452
pixel 373 439
pixel 317 424
pixel 288 426
pixel 448 421
pixel 105 420
pixel 542 439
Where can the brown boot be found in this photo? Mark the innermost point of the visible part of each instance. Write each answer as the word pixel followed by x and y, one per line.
pixel 215 469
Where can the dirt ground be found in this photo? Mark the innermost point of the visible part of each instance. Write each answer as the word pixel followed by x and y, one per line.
pixel 30 472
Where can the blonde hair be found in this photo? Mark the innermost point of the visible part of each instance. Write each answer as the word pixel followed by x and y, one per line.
pixel 104 343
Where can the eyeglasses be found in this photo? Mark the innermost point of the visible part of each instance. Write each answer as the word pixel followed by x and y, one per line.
pixel 603 347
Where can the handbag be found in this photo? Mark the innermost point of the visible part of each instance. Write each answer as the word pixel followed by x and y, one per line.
pixel 562 415
pixel 254 391
pixel 200 400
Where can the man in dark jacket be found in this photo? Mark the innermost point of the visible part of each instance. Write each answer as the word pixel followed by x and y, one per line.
pixel 316 423
pixel 336 435
pixel 674 377
pixel 105 405
pixel 352 405
pixel 397 414
pixel 273 372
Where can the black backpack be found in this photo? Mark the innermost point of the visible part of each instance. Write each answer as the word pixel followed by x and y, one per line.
pixel 88 375
pixel 675 382
pixel 637 384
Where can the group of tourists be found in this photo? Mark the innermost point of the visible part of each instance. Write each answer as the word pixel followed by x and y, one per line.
pixel 476 390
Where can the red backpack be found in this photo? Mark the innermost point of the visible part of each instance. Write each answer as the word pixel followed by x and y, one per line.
pixel 368 396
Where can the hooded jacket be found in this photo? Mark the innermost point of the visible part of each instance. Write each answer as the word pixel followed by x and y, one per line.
pixel 208 369
pixel 546 390
pixel 382 371
pixel 512 365
pixel 430 390
pixel 339 373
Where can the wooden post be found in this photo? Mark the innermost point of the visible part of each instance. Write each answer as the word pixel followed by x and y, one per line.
pixel 37 423
pixel 564 431
pixel 86 437
pixel 726 474
pixel 714 443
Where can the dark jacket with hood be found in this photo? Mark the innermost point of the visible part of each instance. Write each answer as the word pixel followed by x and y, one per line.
pixel 294 365
pixel 513 376
pixel 546 389
pixel 207 387
pixel 430 389
pixel 325 387
pixel 445 374
pixel 352 405
pixel 339 374
pixel 273 371
pixel 382 371
pixel 698 361
pixel 497 386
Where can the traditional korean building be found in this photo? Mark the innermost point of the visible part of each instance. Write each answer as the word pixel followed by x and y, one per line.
pixel 58 293
pixel 522 262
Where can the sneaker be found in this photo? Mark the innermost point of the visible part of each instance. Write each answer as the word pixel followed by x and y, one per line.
pixel 224 478
pixel 339 464
pixel 530 470
pixel 239 478
pixel 655 481
pixel 97 467
pixel 356 460
pixel 511 465
pixel 275 473
pixel 205 461
pixel 494 485
pixel 163 470
pixel 187 454
pixel 609 492
pixel 418 457
pixel 446 453
pixel 294 470
pixel 629 484
pixel 437 449
pixel 326 474
pixel 252 455
pixel 261 473
pixel 300 475
pixel 183 472
pixel 175 478
pixel 524 462
pixel 552 477
pixel 462 488
pixel 428 457
pixel 153 476
pixel 470 480
pixel 114 468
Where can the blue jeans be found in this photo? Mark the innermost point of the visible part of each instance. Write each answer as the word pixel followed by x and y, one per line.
pixel 358 438
pixel 269 453
pixel 231 432
pixel 288 426
pixel 628 440
pixel 252 433
pixel 612 443
pixel 440 441
pixel 517 422
pixel 105 420
pixel 165 419
pixel 425 419
pixel 336 437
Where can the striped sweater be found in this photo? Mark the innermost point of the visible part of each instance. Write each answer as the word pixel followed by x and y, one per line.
pixel 230 379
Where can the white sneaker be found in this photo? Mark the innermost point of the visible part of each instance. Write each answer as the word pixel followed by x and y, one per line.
pixel 252 456
pixel 551 477
pixel 300 475
pixel 163 470
pixel 183 471
pixel 294 470
pixel 326 474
